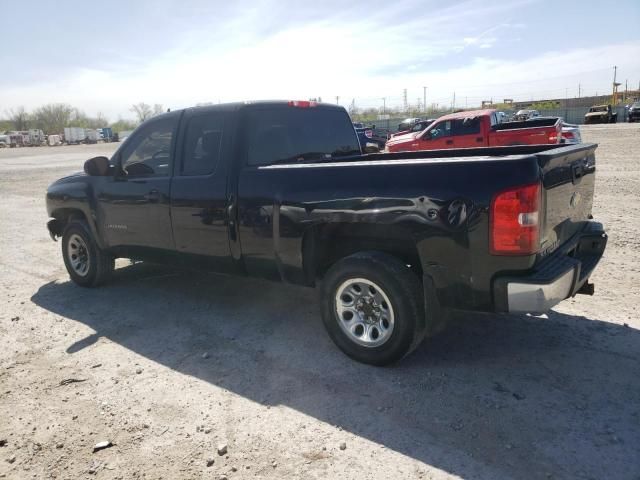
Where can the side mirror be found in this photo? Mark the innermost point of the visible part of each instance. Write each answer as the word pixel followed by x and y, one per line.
pixel 97 167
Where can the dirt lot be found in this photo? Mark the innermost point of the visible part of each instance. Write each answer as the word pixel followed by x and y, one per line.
pixel 171 364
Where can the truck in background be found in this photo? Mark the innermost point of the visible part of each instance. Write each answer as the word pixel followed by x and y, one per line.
pixel 600 114
pixel 478 128
pixel 106 134
pixel 35 137
pixel 74 135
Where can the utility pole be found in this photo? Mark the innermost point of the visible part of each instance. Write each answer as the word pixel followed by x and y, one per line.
pixel 613 96
pixel 384 105
pixel 579 90
pixel 424 98
pixel 453 104
pixel 337 100
pixel 404 97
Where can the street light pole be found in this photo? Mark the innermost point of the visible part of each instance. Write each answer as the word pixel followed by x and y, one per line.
pixel 424 99
pixel 384 105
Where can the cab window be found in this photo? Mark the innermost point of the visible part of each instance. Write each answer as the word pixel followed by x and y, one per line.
pixel 466 126
pixel 148 152
pixel 442 129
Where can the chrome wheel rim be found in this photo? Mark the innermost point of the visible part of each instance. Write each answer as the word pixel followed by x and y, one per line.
pixel 78 255
pixel 364 312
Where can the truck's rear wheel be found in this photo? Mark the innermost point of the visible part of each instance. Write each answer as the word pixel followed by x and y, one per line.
pixel 87 264
pixel 372 308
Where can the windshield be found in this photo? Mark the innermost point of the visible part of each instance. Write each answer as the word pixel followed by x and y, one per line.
pixel 598 109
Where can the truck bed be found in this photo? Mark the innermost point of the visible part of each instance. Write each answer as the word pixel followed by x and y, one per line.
pixel 436 199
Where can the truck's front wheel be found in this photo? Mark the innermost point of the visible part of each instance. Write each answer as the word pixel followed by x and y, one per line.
pixel 372 308
pixel 87 264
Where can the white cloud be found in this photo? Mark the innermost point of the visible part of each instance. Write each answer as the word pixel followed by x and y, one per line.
pixel 366 60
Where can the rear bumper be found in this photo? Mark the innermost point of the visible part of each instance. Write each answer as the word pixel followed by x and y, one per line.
pixel 557 277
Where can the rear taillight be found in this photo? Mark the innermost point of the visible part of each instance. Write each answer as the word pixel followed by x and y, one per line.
pixel 368 133
pixel 302 103
pixel 514 221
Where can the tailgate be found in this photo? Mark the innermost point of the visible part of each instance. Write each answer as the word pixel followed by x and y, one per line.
pixel 568 179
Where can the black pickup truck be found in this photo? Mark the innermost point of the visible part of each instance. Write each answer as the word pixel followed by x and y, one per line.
pixel 395 242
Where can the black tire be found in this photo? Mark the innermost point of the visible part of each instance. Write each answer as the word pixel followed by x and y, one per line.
pixel 100 264
pixel 404 291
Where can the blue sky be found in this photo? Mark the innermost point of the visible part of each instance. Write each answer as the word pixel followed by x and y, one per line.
pixel 105 56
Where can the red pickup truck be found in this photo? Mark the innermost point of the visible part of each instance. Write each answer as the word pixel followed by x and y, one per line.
pixel 478 128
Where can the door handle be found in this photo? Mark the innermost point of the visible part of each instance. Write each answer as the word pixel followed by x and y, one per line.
pixel 449 142
pixel 152 196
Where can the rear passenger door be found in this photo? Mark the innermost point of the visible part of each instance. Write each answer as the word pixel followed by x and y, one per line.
pixel 199 199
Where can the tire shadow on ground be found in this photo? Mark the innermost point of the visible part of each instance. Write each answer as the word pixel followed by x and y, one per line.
pixel 510 396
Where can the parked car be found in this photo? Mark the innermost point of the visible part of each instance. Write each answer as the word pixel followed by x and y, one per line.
pixel 477 128
pixel 634 112
pixel 522 115
pixel 54 140
pixel 600 114
pixel 280 190
pixel 4 141
pixel 407 124
pixel 417 127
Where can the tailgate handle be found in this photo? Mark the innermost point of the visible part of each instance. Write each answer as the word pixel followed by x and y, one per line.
pixel 576 172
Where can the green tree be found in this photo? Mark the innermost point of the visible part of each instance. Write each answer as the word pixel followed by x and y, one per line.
pixel 19 118
pixel 53 117
pixel 122 125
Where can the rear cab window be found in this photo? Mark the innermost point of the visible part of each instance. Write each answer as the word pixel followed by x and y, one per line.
pixel 466 126
pixel 282 133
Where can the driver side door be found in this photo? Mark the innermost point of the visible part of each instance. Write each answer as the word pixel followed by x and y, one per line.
pixel 134 205
pixel 438 137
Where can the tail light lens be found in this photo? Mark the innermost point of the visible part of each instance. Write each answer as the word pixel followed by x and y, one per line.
pixel 515 221
pixel 302 103
pixel 368 133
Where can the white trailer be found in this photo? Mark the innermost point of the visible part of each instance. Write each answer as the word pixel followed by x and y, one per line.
pixel 74 135
pixel 92 135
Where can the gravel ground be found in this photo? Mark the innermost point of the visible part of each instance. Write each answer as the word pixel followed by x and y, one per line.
pixel 168 365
